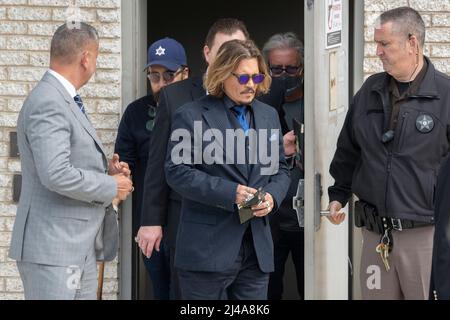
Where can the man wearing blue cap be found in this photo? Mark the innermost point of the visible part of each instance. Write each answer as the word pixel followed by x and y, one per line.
pixel 166 64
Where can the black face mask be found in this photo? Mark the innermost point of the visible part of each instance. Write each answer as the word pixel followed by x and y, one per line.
pixel 291 83
pixel 281 87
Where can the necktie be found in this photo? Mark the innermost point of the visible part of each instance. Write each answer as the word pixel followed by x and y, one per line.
pixel 79 102
pixel 240 114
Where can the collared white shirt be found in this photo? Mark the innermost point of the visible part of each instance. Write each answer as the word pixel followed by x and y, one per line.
pixel 66 83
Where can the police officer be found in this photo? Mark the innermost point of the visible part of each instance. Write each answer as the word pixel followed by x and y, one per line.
pixel 394 139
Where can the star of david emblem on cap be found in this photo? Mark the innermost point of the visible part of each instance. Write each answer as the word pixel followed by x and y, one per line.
pixel 160 51
pixel 424 123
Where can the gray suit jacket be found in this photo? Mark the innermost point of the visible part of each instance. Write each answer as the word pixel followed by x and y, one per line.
pixel 64 209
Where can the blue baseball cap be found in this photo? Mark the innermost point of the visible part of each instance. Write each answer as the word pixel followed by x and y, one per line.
pixel 168 53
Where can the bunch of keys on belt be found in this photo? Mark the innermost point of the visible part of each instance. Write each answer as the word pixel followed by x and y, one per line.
pixel 383 249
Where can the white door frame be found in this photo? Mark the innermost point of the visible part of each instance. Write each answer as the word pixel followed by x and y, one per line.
pixel 309 153
pixel 326 249
pixel 358 79
pixel 134 57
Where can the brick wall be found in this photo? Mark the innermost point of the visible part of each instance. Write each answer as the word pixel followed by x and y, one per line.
pixel 26 27
pixel 436 15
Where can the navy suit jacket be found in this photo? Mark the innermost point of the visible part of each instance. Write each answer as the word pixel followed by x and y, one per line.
pixel 161 205
pixel 210 233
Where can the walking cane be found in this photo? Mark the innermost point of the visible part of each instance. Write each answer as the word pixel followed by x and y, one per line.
pixel 101 272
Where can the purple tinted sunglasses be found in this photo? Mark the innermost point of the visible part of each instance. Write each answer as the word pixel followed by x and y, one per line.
pixel 245 78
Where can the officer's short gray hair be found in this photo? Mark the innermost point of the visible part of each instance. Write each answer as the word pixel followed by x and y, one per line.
pixel 69 40
pixel 406 21
pixel 286 40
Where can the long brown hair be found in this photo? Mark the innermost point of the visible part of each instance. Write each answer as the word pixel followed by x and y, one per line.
pixel 230 55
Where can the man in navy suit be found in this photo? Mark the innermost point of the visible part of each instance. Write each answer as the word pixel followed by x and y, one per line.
pixel 217 256
pixel 160 204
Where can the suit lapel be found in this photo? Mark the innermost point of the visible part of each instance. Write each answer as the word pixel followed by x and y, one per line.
pixel 76 111
pixel 86 124
pixel 216 117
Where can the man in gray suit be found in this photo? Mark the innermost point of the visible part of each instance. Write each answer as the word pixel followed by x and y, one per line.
pixel 65 221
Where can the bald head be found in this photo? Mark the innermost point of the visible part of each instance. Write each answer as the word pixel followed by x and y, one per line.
pixel 69 42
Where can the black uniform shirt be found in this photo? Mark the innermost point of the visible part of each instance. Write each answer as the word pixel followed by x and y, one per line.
pixel 399 92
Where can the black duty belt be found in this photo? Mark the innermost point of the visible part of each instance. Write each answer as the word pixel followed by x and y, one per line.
pixel 367 216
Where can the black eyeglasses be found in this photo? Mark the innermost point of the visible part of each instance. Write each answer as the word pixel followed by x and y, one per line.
pixel 167 76
pixel 152 115
pixel 290 70
pixel 245 78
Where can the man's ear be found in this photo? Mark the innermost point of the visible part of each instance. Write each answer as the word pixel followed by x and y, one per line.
pixel 414 43
pixel 206 52
pixel 85 56
pixel 185 73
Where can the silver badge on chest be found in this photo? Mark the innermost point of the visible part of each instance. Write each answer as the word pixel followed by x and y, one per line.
pixel 424 123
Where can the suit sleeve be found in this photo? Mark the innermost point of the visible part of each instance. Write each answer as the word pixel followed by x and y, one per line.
pixel 156 191
pixel 191 182
pixel 280 181
pixel 49 136
pixel 345 159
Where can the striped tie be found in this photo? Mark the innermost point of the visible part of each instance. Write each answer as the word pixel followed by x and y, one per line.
pixel 79 103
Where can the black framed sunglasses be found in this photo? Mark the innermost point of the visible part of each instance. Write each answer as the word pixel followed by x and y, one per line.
pixel 245 78
pixel 290 70
pixel 152 115
pixel 167 76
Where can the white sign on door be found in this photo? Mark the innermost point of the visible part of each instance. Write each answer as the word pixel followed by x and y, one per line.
pixel 333 23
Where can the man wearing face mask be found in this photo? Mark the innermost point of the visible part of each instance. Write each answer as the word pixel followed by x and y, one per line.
pixel 284 54
pixel 166 64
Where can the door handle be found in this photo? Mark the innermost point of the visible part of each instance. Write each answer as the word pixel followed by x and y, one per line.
pixel 318 212
pixel 298 202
